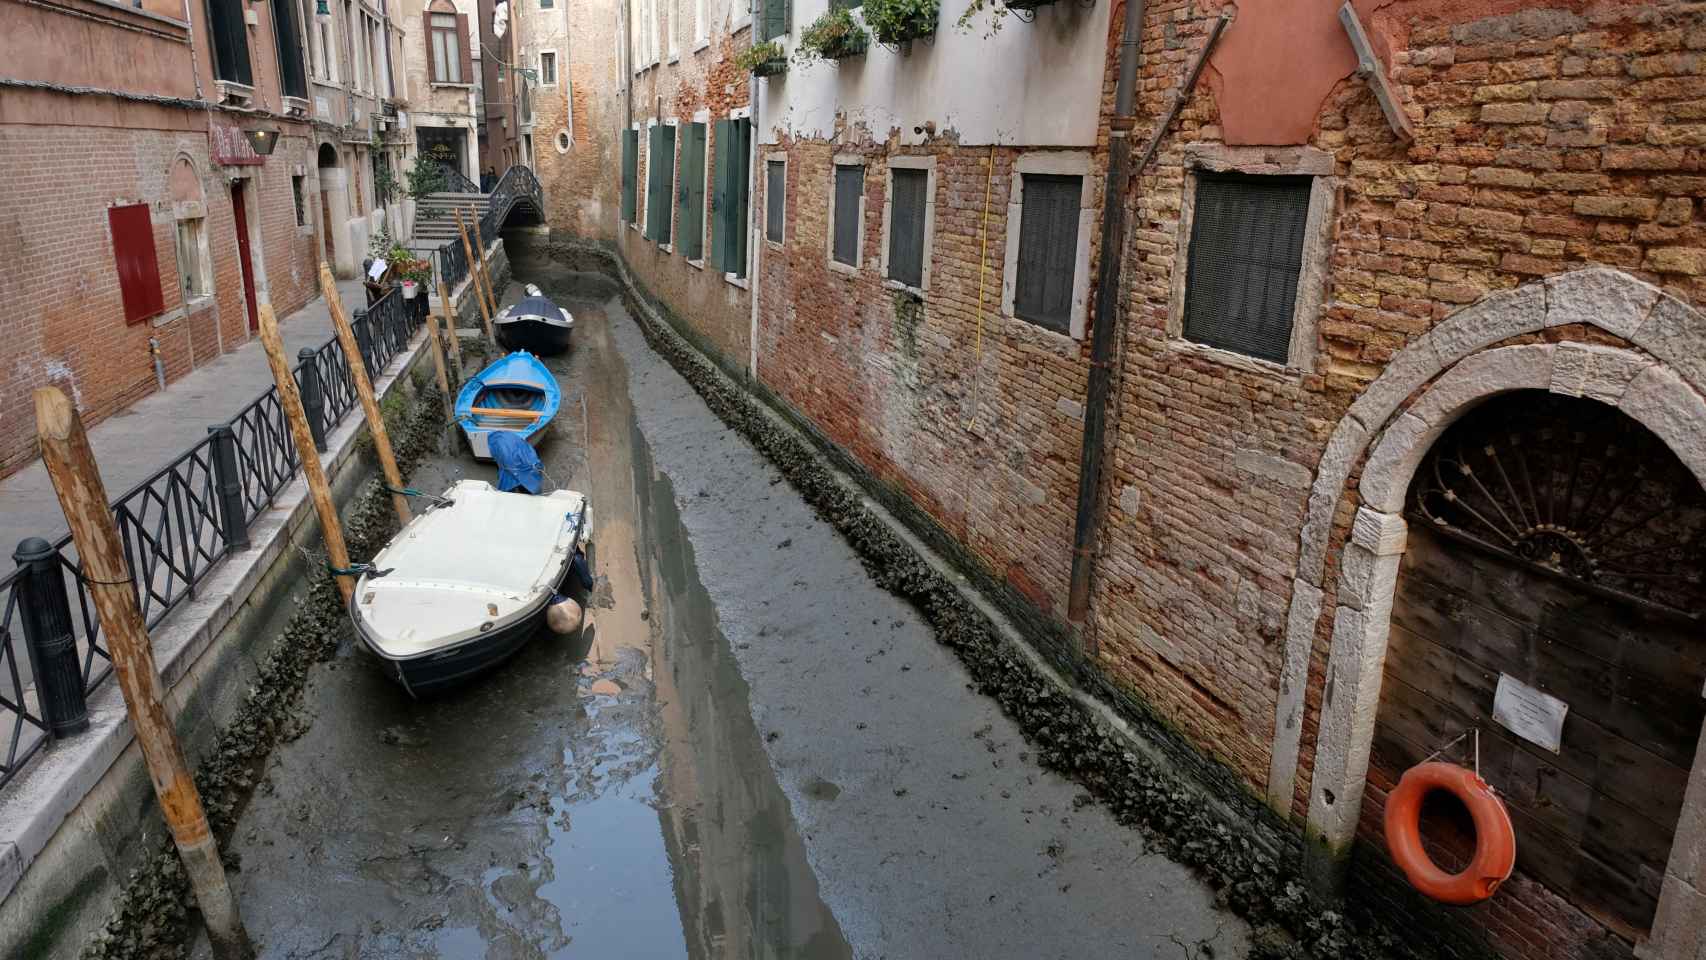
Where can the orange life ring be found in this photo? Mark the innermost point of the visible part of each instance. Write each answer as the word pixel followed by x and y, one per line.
pixel 1495 841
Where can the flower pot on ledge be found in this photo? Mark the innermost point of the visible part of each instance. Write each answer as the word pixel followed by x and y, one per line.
pixel 771 68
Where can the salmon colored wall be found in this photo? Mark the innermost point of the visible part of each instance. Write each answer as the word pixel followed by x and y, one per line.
pixel 128 52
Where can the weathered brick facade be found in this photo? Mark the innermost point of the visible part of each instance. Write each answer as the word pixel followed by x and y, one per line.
pixel 692 79
pixel 1547 141
pixel 575 122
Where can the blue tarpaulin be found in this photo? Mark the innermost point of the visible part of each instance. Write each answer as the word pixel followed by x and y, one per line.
pixel 518 465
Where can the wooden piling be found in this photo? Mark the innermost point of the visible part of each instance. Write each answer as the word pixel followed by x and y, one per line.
pixel 364 390
pixel 83 497
pixel 438 356
pixel 450 326
pixel 485 270
pixel 474 278
pixel 318 487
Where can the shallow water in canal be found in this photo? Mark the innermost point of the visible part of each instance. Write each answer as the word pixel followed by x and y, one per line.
pixel 607 796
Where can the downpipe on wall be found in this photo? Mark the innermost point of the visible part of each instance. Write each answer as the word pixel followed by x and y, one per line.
pixel 1104 332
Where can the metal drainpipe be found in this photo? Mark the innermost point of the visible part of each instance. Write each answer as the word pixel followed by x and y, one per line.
pixel 159 367
pixel 754 242
pixel 1104 331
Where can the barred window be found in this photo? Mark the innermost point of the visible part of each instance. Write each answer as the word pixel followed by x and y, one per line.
pixel 1246 253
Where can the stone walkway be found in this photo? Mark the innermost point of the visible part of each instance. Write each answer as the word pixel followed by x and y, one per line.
pixel 132 444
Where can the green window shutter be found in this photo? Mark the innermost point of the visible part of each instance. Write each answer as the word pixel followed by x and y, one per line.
pixel 630 169
pixel 777 14
pixel 1048 250
pixel 654 167
pixel 692 192
pixel 666 181
pixel 741 160
pixel 721 199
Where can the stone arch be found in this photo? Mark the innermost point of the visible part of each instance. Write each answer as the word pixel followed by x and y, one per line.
pixel 1641 386
pixel 334 210
pixel 1667 328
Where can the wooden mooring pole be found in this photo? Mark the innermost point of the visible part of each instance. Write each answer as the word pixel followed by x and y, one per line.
pixel 474 278
pixel 450 327
pixel 485 271
pixel 364 390
pixel 77 480
pixel 318 487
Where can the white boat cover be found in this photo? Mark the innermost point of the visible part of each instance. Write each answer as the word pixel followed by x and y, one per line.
pixel 463 570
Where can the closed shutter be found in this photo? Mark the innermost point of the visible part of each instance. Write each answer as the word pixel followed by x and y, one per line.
pixel 138 265
pixel 692 192
pixel 230 35
pixel 849 188
pixel 463 49
pixel 740 154
pixel 1245 255
pixel 721 196
pixel 906 226
pixel 774 198
pixel 664 165
pixel 1048 250
pixel 651 228
pixel 434 44
pixel 777 14
pixel 293 75
pixel 630 170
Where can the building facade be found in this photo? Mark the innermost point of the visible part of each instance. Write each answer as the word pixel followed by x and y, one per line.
pixel 143 228
pixel 685 162
pixel 572 136
pixel 1403 451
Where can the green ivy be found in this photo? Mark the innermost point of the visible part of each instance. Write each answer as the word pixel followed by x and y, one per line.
pixel 897 21
pixel 831 37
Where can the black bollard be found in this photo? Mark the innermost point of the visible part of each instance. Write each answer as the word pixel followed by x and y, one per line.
pixel 233 519
pixel 313 397
pixel 45 611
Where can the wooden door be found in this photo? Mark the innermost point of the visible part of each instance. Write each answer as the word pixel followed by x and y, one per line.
pixel 240 212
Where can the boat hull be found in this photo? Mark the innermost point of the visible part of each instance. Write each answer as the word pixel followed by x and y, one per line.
pixel 518 373
pixel 443 670
pixel 538 337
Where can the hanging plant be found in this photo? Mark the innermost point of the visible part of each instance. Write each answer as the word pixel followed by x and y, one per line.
pixel 1025 10
pixel 765 59
pixel 897 21
pixel 833 36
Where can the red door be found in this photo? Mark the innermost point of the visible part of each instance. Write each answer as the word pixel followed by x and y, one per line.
pixel 242 215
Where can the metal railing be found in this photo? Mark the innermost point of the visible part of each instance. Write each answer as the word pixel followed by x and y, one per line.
pixel 518 186
pixel 175 527
pixel 455 181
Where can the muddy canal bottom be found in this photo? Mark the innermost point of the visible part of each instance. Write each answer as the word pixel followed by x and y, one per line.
pixel 602 797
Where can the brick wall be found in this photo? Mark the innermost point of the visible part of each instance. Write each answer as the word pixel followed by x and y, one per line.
pixel 582 185
pixel 67 327
pixel 704 85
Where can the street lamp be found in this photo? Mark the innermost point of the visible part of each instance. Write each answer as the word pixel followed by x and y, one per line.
pixel 262 141
pixel 321 9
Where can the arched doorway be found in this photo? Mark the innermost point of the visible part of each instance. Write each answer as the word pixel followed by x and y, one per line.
pixel 1548 599
pixel 334 207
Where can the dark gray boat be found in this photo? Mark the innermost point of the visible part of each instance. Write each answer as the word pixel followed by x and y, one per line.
pixel 534 324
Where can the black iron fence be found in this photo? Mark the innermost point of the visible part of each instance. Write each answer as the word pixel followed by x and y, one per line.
pixel 175 526
pixel 518 186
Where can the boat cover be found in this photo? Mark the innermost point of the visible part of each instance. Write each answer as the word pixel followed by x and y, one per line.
pixel 538 308
pixel 518 465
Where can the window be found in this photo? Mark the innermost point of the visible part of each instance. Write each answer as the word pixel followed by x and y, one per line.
pixel 777 15
pixel 729 195
pixel 674 29
pixel 660 182
pixel 546 4
pixel 287 34
pixel 692 193
pixel 1048 239
pixel 563 145
pixel 909 214
pixel 776 179
pixel 301 204
pixel 230 32
pixel 847 215
pixel 192 258
pixel 138 265
pixel 548 68
pixel 1047 272
pixel 699 33
pixel 630 161
pixel 327 48
pixel 448 60
pixel 1246 253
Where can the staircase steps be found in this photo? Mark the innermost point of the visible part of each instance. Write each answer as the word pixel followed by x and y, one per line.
pixel 435 221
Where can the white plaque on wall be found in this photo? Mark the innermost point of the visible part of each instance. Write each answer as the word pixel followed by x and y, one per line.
pixel 1531 714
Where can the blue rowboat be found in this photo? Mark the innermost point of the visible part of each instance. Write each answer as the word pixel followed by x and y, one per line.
pixel 516 394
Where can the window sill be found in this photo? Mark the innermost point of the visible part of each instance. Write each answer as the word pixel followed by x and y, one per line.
pixel 697 264
pixel 305 230
pixel 1237 361
pixel 435 84
pixel 701 44
pixel 735 281
pixel 1064 344
pixel 845 269
pixel 773 244
pixel 675 58
pixel 900 287
pixel 666 247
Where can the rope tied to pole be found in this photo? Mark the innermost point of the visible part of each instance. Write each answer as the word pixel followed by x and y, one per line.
pixel 357 569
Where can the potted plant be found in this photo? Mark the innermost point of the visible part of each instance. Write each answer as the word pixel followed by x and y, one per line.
pixel 897 21
pixel 764 59
pixel 833 36
pixel 412 273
